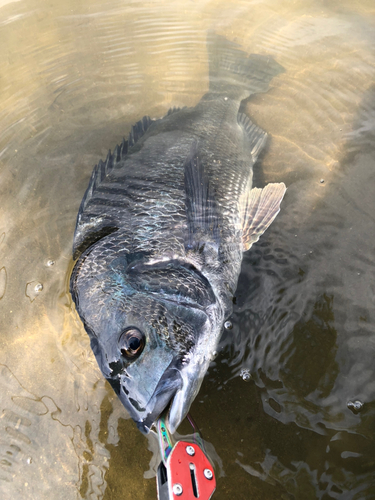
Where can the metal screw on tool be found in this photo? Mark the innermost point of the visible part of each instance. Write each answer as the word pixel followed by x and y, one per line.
pixel 208 474
pixel 190 450
pixel 177 489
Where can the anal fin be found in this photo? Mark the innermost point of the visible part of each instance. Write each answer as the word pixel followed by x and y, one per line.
pixel 259 209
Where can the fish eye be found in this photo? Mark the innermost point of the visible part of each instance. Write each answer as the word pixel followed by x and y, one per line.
pixel 132 343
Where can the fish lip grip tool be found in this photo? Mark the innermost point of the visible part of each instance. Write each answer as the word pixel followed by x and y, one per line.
pixel 185 472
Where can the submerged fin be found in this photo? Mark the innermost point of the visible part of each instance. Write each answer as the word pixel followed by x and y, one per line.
pixel 236 73
pixel 259 210
pixel 256 135
pixel 201 210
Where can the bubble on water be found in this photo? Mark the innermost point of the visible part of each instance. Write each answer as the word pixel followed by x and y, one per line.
pixel 245 374
pixel 321 181
pixel 355 406
pixel 228 325
pixel 33 289
pixel 50 263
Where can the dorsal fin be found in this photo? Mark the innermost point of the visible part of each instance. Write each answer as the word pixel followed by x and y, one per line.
pixel 174 110
pixel 201 209
pixel 259 209
pixel 256 135
pixel 90 227
pixel 103 169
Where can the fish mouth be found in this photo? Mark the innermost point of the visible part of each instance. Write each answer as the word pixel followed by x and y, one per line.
pixel 146 413
pixel 192 376
pixel 176 389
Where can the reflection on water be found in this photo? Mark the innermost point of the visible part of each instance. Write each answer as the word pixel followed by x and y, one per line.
pixel 74 77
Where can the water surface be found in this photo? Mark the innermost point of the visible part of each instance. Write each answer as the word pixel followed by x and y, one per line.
pixel 74 78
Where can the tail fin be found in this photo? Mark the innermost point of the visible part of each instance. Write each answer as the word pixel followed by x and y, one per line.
pixel 235 73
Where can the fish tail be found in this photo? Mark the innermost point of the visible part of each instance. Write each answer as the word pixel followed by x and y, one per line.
pixel 235 73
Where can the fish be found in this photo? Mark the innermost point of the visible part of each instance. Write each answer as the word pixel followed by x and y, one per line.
pixel 160 236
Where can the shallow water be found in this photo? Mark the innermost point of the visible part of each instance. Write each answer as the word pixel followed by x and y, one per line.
pixel 74 77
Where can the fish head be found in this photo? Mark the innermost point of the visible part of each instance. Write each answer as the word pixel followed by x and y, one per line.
pixel 152 340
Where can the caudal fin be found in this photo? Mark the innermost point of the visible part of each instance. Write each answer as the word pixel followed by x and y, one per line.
pixel 235 73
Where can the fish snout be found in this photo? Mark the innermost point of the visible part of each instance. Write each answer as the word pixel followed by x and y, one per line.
pixel 144 406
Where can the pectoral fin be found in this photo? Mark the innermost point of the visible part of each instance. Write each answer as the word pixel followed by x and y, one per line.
pixel 258 211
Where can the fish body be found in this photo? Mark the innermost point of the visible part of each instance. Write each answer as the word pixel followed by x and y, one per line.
pixel 160 235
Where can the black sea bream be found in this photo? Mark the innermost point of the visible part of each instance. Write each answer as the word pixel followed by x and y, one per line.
pixel 160 235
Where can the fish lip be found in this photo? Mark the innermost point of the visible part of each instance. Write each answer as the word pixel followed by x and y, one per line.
pixel 164 393
pixel 177 398
pixel 145 425
pixel 192 375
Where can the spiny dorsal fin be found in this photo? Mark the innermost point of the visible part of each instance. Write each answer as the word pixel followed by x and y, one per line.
pixel 103 169
pixel 258 210
pixel 201 209
pixel 173 110
pixel 256 135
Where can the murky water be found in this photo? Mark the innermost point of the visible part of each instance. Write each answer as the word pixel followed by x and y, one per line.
pixel 74 77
